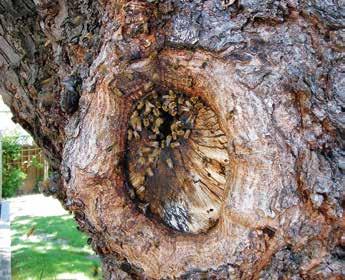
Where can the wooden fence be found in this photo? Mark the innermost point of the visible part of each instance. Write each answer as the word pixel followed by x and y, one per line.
pixel 32 163
pixel 28 155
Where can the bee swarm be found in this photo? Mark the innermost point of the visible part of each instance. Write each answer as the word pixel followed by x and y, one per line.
pixel 176 159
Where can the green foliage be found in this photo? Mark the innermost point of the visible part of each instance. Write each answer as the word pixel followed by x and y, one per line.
pixel 13 178
pixel 51 248
pixel 11 147
pixel 36 163
pixel 12 175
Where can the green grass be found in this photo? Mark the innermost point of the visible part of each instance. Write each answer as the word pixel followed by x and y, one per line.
pixel 54 250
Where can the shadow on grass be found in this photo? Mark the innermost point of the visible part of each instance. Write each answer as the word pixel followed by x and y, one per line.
pixel 45 247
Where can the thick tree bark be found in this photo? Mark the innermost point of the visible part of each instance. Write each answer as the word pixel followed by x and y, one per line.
pixel 273 74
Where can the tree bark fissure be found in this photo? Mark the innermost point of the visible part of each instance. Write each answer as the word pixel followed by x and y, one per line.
pixel 72 73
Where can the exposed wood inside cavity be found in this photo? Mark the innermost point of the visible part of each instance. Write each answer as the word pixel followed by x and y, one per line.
pixel 177 159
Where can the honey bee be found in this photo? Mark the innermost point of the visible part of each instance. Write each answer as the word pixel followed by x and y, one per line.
pixel 137 179
pixel 143 207
pixel 184 109
pixel 149 171
pixel 175 144
pixel 141 160
pixel 136 123
pixel 146 149
pixel 136 135
pixel 199 105
pixel 146 122
pixel 159 122
pixel 129 134
pixel 148 107
pixel 140 190
pixel 170 163
pixel 168 97
pixel 154 144
pixel 168 140
pixel 140 105
pixel 173 112
pixel 188 104
pixel 172 105
pixel 165 108
pixel 148 86
pixel 156 112
pixel 154 94
pixel 158 104
pixel 187 133
pixel 194 99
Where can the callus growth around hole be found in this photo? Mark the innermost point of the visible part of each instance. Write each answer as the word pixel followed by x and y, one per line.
pixel 176 159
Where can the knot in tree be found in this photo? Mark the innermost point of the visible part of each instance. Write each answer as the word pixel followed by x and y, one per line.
pixel 177 159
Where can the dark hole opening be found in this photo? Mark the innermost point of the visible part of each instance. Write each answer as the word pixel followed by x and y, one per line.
pixel 165 128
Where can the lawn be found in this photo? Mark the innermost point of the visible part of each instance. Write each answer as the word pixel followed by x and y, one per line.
pixel 51 248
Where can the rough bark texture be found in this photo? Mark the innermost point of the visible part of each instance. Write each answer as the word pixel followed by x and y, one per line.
pixel 273 71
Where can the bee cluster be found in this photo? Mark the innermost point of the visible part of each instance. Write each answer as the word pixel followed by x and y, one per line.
pixel 160 123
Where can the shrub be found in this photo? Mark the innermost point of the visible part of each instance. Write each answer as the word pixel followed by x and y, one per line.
pixel 12 175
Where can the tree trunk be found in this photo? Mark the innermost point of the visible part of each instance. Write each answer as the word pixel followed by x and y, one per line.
pixel 191 139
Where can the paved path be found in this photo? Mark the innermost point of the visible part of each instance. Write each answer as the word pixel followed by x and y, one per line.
pixel 5 242
pixel 35 205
